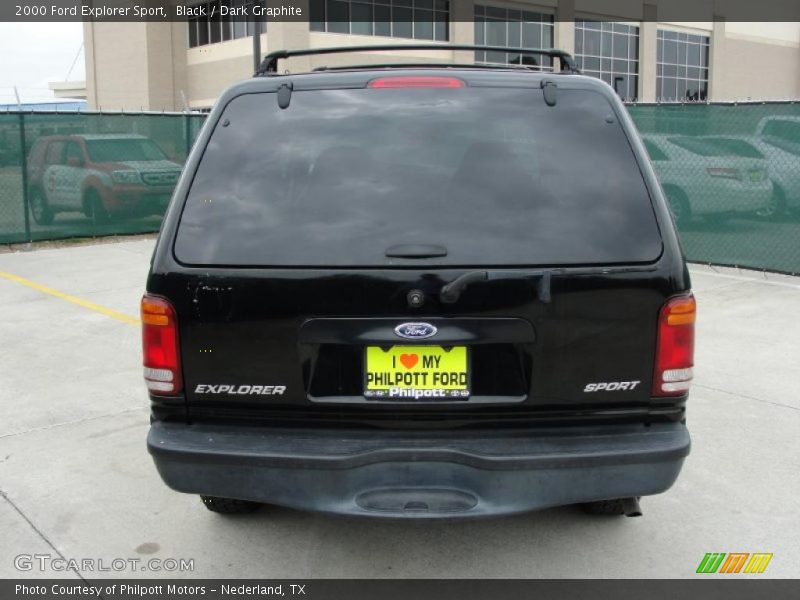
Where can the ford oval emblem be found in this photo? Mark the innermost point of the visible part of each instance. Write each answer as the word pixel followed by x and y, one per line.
pixel 415 331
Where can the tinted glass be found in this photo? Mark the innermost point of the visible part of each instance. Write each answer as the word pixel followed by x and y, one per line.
pixel 55 151
pixel 123 149
pixel 493 175
pixel 605 55
pixel 680 68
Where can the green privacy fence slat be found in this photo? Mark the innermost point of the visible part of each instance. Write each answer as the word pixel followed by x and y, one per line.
pixel 730 171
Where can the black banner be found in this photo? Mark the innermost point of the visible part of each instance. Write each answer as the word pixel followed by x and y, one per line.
pixel 398 589
pixel 303 10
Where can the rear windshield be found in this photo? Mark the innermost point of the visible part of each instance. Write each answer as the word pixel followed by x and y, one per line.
pixel 493 176
pixel 783 134
pixel 717 147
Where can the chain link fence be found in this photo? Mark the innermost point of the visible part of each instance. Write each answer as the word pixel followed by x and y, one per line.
pixel 88 174
pixel 730 171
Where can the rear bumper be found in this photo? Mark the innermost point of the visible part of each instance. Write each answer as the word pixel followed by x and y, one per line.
pixel 390 474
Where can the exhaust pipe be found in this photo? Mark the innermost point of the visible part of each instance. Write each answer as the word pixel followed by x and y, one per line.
pixel 631 508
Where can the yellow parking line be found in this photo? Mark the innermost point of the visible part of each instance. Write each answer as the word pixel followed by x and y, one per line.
pixel 69 298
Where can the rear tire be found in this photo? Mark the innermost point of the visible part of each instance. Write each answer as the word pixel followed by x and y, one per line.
pixel 679 206
pixel 40 210
pixel 229 506
pixel 776 208
pixel 95 209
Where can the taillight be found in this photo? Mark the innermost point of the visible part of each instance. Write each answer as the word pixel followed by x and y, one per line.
pixel 162 372
pixel 675 346
pixel 724 173
pixel 416 82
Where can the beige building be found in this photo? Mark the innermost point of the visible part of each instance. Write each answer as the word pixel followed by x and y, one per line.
pixel 174 66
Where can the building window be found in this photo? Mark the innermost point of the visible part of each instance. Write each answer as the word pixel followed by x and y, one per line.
pixel 609 51
pixel 211 30
pixel 496 26
pixel 413 19
pixel 682 66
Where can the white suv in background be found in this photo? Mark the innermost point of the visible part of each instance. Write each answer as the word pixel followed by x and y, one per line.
pixel 100 175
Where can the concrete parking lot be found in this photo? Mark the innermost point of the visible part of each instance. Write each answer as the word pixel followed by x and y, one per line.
pixel 77 482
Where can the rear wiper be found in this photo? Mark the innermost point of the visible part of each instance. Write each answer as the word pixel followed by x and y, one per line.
pixel 451 292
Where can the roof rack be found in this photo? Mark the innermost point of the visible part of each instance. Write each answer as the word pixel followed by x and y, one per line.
pixel 269 66
pixel 430 65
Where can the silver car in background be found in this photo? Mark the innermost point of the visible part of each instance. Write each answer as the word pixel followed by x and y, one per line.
pixel 710 176
pixel 778 139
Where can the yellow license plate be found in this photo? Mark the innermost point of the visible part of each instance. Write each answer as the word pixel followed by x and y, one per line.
pixel 416 373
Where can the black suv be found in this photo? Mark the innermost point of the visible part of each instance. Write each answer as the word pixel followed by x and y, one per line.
pixel 419 291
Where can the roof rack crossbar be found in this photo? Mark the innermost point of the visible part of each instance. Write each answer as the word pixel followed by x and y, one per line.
pixel 269 66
